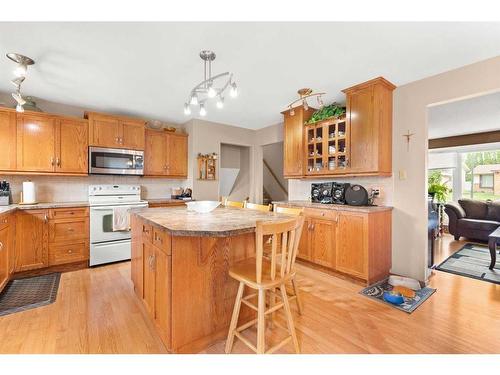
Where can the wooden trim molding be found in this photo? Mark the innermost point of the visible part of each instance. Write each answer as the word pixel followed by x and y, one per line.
pixel 465 140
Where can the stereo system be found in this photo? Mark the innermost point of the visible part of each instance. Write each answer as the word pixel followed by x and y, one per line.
pixel 339 193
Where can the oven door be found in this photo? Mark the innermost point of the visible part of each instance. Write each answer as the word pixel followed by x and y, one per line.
pixel 101 224
pixel 115 161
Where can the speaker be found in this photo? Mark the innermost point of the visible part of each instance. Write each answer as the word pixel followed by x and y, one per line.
pixel 356 195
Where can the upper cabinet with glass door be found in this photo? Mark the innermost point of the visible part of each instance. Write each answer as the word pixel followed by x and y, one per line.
pixel 327 149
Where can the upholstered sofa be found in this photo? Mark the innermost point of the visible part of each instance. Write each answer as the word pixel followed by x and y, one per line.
pixel 473 219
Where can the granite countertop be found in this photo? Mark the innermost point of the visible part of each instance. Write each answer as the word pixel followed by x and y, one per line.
pixel 221 222
pixel 338 207
pixel 38 206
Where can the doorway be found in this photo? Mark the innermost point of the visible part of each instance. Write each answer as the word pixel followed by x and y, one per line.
pixel 274 185
pixel 234 172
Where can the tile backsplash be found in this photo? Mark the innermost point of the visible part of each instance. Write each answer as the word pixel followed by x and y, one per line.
pixel 301 189
pixel 72 189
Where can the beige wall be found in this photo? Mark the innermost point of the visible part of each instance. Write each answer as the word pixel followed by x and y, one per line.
pixel 411 101
pixel 207 137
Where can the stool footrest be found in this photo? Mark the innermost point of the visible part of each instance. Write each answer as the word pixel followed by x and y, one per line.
pixel 280 345
pixel 245 341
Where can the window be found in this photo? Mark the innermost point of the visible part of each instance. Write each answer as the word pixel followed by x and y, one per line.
pixel 486 181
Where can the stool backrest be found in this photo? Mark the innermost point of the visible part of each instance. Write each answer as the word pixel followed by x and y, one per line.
pixel 258 207
pixel 226 202
pixel 288 210
pixel 286 234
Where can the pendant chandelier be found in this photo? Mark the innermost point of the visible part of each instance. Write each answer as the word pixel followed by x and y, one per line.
pixel 212 87
pixel 20 72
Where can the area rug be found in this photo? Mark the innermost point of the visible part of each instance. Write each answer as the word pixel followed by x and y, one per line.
pixel 29 293
pixel 409 305
pixel 472 261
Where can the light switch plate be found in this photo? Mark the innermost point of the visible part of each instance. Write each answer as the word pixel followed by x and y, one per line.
pixel 402 174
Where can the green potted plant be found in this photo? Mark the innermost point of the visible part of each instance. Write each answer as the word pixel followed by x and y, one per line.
pixel 436 188
pixel 333 110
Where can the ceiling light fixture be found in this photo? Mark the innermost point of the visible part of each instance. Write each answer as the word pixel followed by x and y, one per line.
pixel 20 72
pixel 203 111
pixel 304 95
pixel 220 102
pixel 208 88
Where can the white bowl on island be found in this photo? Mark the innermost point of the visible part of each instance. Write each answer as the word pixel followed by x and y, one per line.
pixel 202 206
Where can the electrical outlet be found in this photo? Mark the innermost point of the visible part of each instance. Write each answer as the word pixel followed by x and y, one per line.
pixel 376 191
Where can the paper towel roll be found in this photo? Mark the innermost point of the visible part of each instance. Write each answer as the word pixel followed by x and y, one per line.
pixel 29 195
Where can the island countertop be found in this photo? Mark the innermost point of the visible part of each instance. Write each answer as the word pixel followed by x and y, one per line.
pixel 221 222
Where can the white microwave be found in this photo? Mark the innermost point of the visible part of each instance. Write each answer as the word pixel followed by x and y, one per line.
pixel 116 161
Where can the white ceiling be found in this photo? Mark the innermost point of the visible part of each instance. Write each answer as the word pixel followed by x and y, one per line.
pixel 476 115
pixel 148 69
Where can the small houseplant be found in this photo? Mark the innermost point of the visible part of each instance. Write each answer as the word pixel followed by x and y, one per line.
pixel 436 188
pixel 333 110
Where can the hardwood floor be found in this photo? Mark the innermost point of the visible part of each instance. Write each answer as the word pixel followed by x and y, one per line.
pixel 97 312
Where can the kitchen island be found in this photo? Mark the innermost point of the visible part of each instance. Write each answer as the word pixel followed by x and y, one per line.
pixel 180 263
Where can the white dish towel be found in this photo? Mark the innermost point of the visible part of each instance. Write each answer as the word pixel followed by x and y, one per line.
pixel 121 219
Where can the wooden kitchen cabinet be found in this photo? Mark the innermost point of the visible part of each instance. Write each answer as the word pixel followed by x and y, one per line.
pixel 31 240
pixel 358 145
pixel 155 153
pixel 323 242
pixel 152 274
pixel 41 143
pixel 7 139
pixel 293 141
pixel 369 120
pixel 165 154
pixel 354 242
pixel 352 257
pixel 71 146
pixel 136 261
pixel 5 249
pixel 149 278
pixel 163 288
pixel 36 143
pixel 68 235
pixel 177 154
pixel 115 131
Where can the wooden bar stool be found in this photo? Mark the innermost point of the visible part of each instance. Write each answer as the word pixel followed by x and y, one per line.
pixel 266 276
pixel 295 296
pixel 258 207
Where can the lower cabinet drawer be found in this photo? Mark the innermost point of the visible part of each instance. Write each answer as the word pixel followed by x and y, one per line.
pixel 68 253
pixel 67 213
pixel 68 229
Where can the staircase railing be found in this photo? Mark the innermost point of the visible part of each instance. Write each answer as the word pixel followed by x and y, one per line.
pixel 274 176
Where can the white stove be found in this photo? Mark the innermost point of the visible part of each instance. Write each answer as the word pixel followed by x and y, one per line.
pixel 106 244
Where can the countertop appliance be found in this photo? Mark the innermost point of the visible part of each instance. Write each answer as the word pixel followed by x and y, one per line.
pixel 338 192
pixel 115 161
pixel 322 192
pixel 329 192
pixel 106 245
pixel 356 195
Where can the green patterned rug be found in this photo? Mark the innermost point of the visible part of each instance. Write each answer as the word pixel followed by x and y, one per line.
pixel 472 261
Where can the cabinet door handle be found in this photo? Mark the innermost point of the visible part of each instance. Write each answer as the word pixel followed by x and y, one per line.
pixel 58 162
pixel 1 246
pixel 52 161
pixel 45 219
pixel 71 230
